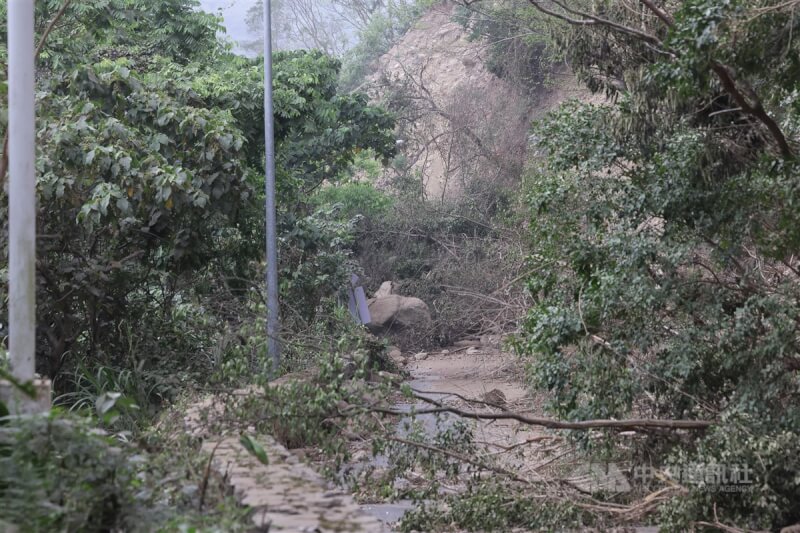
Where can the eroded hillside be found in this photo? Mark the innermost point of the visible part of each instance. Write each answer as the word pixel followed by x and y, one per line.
pixel 460 124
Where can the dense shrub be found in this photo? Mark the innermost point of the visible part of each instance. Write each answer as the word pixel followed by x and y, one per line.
pixel 59 473
pixel 667 223
pixel 151 190
pixel 351 200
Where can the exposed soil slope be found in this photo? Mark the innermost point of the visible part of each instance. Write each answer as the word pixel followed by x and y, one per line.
pixel 459 121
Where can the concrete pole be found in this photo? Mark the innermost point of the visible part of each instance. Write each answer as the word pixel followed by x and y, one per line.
pixel 273 319
pixel 22 189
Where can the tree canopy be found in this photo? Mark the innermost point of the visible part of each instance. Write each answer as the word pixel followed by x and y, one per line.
pixel 665 231
pixel 150 173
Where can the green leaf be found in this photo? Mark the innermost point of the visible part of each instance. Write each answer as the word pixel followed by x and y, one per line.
pixel 254 448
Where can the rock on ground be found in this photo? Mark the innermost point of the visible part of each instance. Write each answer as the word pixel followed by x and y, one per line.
pixel 397 312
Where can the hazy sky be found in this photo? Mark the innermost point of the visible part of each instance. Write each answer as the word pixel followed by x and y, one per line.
pixel 234 12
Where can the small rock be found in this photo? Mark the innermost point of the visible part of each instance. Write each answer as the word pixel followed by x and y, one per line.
pixel 495 397
pixel 421 356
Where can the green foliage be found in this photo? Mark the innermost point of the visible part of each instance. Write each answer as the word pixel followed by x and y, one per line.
pixel 340 126
pixel 771 457
pixel 254 448
pixel 100 29
pixel 354 199
pixel 150 238
pixel 317 257
pixel 490 507
pixel 666 225
pixel 151 191
pixel 307 408
pixel 423 447
pixel 366 164
pixel 57 473
pixel 136 180
pixel 84 477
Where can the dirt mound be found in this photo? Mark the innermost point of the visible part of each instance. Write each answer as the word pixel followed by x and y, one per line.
pixel 458 119
pixel 459 122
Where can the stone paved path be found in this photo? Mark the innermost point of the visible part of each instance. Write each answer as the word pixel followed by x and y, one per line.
pixel 285 495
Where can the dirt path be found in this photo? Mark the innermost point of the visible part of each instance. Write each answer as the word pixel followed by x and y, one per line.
pixel 481 373
pixel 287 495
pixel 476 372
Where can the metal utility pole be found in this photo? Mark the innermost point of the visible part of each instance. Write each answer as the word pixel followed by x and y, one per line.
pixel 21 190
pixel 273 320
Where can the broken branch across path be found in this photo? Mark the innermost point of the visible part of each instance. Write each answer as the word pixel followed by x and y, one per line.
pixel 632 424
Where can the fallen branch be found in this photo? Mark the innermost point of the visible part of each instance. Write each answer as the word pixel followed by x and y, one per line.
pixel 630 424
pixel 463 458
pixel 716 524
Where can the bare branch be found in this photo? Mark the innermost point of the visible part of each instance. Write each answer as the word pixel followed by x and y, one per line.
pixel 589 19
pixel 660 13
pixel 629 424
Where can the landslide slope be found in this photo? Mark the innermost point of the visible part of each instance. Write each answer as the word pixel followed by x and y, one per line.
pixel 460 124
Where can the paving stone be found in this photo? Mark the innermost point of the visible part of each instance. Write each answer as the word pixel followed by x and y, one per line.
pixel 286 495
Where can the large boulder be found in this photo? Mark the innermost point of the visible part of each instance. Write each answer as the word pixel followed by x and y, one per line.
pixel 395 312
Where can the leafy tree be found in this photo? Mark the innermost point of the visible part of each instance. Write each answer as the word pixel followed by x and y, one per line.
pixel 150 181
pixel 520 50
pixel 665 229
